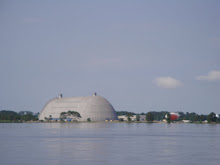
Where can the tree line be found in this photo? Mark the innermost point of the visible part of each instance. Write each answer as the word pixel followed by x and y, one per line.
pixel 159 116
pixel 8 115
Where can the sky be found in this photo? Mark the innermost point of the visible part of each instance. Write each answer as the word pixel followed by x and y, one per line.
pixel 141 55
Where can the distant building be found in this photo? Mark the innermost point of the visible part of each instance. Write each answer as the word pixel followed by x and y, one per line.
pixel 95 107
pixel 133 117
pixel 217 115
pixel 186 121
pixel 123 118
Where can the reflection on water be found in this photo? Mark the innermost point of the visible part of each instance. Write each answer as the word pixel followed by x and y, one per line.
pixel 109 143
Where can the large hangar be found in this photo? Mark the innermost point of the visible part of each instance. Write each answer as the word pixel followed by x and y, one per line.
pixel 97 108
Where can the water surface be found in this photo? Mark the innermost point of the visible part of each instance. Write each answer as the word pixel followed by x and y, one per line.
pixel 109 143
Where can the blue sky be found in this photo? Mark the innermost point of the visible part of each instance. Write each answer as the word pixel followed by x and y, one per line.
pixel 140 55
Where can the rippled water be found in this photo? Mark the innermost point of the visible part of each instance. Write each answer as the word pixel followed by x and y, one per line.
pixel 109 143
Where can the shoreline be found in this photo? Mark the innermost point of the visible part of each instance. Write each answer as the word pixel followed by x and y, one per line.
pixel 176 122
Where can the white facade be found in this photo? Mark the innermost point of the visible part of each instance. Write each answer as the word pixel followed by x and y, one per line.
pixel 95 107
pixel 133 117
pixel 186 121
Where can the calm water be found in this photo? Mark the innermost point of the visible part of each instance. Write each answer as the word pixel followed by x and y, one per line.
pixel 109 143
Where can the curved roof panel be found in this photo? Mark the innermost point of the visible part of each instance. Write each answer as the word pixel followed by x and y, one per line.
pixel 95 107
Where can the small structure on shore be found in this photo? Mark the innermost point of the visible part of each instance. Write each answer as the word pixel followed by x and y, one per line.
pixel 133 117
pixel 186 121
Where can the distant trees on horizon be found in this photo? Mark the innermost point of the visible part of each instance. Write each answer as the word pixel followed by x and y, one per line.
pixel 149 117
pixel 159 116
pixel 8 115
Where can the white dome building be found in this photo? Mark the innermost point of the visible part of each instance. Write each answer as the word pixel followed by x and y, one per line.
pixel 95 107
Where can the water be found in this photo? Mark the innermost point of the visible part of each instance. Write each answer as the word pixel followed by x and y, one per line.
pixel 109 143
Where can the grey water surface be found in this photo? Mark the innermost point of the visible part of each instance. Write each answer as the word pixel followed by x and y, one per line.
pixel 109 143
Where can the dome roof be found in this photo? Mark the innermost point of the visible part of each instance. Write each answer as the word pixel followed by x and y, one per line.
pixel 95 107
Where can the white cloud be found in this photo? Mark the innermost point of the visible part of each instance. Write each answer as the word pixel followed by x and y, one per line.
pixel 213 75
pixel 167 82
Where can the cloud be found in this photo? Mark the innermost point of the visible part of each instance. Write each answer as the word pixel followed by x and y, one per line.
pixel 213 75
pixel 167 82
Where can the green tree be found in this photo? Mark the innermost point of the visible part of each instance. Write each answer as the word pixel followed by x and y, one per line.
pixel 197 118
pixel 73 115
pixel 138 117
pixel 45 118
pixel 17 117
pixel 121 119
pixel 168 117
pixel 63 116
pixel 129 115
pixel 88 119
pixel 212 117
pixel 158 115
pixel 202 117
pixel 149 117
pixel 119 113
